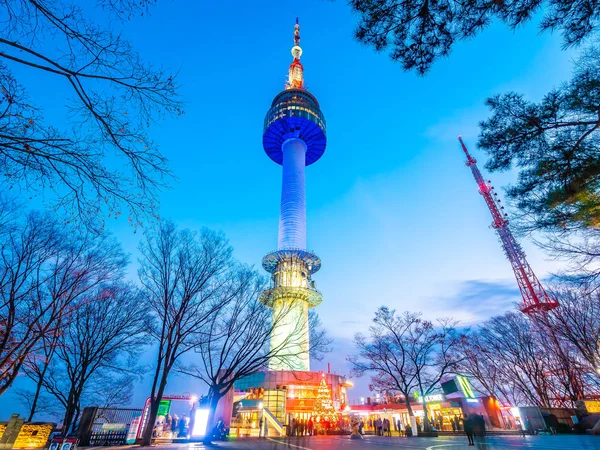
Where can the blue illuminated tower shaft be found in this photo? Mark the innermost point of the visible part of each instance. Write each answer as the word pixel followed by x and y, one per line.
pixel 294 136
pixel 292 218
pixel 533 293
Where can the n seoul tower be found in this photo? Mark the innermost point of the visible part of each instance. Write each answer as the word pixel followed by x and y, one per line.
pixel 294 137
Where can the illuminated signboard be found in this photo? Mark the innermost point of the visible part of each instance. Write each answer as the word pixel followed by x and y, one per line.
pixel 163 408
pixel 431 398
pixel 592 406
pixel 465 386
pixel 200 423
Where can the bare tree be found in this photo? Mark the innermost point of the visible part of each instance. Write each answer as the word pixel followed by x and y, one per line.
pixel 527 361
pixel 44 269
pixel 188 277
pixel 319 340
pixel 36 366
pixel 88 260
pixel 113 98
pixel 97 348
pixel 520 356
pixel 577 320
pixel 406 353
pixel 385 353
pixel 433 353
pixel 238 341
pixel 485 371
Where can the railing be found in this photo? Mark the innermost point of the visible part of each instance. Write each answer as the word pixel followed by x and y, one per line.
pixel 270 417
pixel 107 438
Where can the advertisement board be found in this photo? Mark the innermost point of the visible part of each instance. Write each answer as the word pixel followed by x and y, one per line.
pixel 133 429
pixel 163 408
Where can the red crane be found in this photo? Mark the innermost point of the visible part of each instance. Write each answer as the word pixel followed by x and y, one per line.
pixel 534 295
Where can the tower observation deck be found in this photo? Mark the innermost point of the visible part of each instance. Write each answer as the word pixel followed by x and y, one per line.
pixel 294 137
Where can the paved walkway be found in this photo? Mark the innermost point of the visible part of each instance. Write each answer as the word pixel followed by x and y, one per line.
pixel 563 442
pixel 441 443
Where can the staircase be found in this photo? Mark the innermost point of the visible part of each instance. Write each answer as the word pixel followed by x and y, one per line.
pixel 273 422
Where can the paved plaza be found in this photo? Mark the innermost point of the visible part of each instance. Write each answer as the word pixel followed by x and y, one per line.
pixel 574 442
pixel 441 443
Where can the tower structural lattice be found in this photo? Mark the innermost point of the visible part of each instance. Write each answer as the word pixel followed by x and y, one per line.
pixel 535 298
pixel 294 137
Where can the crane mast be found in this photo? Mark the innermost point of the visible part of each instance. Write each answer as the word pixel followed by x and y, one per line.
pixel 534 295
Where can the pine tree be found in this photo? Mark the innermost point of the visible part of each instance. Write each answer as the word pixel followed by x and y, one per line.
pixel 324 414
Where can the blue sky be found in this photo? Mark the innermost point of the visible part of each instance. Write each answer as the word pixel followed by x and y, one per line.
pixel 392 210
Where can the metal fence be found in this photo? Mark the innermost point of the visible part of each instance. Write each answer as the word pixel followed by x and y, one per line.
pixel 105 426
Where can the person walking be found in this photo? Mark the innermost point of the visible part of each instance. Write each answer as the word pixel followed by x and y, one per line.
pixel 260 427
pixel 481 425
pixel 174 424
pixel 468 426
pixel 181 427
pixel 311 427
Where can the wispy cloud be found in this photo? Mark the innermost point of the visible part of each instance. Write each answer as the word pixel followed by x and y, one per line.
pixel 475 301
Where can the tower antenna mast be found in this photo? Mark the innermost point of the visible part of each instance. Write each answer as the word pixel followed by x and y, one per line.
pixel 535 298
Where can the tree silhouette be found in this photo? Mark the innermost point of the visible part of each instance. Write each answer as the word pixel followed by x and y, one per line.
pixel 113 98
pixel 417 33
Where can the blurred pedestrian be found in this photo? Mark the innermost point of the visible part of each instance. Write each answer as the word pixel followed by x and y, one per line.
pixel 468 426
pixel 174 424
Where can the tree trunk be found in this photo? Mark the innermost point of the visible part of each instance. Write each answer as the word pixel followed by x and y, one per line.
pixel 409 407
pixel 411 415
pixel 68 417
pixel 214 398
pixel 154 404
pixel 36 396
pixel 425 416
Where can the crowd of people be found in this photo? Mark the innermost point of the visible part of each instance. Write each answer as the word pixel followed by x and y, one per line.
pixel 472 424
pixel 301 427
pixel 383 427
pixel 171 426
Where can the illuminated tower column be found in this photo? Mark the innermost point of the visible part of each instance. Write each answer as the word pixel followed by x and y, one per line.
pixel 294 136
pixel 292 219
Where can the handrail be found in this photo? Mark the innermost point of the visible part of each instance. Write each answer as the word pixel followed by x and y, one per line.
pixel 274 421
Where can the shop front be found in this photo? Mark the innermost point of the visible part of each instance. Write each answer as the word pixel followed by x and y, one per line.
pixel 445 410
pixel 284 399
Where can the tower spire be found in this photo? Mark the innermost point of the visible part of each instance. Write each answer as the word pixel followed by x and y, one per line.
pixel 296 73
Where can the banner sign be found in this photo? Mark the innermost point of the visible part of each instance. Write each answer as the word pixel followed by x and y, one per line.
pixel 133 429
pixel 114 426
